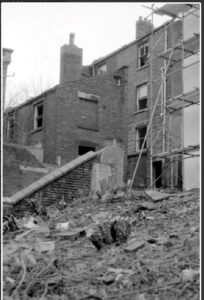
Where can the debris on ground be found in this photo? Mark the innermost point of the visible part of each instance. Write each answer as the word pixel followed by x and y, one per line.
pixel 116 230
pixel 9 224
pixel 156 196
pixel 147 251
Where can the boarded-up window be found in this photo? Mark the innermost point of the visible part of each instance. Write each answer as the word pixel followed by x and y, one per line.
pixel 88 114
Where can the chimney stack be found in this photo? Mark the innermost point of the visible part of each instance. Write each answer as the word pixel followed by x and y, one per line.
pixel 70 61
pixel 71 39
pixel 143 27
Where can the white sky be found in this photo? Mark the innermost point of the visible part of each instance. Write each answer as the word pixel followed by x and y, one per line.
pixel 36 31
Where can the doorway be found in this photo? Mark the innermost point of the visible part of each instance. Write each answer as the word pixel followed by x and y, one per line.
pixel 84 149
pixel 157 172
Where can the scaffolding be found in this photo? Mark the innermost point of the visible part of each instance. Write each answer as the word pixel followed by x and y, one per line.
pixel 172 56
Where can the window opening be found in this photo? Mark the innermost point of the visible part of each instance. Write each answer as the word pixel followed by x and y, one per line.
pixel 38 118
pixel 141 97
pixel 102 69
pixel 142 55
pixel 140 135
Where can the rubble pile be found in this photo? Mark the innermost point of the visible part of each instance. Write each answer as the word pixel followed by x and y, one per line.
pixel 141 247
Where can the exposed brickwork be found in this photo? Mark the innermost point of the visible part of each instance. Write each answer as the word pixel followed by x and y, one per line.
pixel 128 56
pixel 62 134
pixel 117 116
pixel 74 184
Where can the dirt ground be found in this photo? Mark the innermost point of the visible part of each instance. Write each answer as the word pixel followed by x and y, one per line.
pixel 162 263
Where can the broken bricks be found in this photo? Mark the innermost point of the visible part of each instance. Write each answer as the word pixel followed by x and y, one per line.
pixel 116 230
pixel 9 224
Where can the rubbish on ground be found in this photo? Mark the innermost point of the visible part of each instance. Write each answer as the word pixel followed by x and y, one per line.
pixel 72 235
pixel 9 224
pixel 65 226
pixel 156 196
pixel 166 267
pixel 116 230
pixel 107 197
pixel 31 223
pixel 189 274
pixel 44 246
pixel 134 245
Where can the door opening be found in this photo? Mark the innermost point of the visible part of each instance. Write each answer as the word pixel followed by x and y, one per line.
pixel 84 149
pixel 157 171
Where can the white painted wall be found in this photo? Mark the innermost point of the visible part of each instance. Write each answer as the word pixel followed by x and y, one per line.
pixel 191 80
pixel 191 23
pixel 191 73
pixel 192 172
pixel 191 137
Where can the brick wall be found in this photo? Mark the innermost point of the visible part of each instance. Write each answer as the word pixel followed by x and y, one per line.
pixel 62 134
pixel 73 184
pixel 128 56
pixel 111 119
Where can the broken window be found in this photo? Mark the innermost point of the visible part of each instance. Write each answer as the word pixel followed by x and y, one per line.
pixel 141 97
pixel 102 69
pixel 38 116
pixel 142 55
pixel 140 135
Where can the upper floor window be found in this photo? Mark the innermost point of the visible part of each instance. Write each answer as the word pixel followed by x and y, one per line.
pixel 102 69
pixel 140 136
pixel 141 97
pixel 38 116
pixel 117 79
pixel 142 55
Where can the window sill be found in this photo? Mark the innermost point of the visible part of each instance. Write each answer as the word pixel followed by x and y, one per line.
pixel 143 67
pixel 87 128
pixel 36 130
pixel 140 111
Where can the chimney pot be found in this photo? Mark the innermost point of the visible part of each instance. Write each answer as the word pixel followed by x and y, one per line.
pixel 71 39
pixel 143 27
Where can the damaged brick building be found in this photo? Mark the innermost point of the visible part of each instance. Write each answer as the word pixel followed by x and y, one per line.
pixel 131 95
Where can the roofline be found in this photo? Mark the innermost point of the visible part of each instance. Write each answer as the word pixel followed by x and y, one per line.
pixel 31 99
pixel 130 44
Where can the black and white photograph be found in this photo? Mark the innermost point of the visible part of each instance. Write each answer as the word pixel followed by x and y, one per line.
pixel 100 144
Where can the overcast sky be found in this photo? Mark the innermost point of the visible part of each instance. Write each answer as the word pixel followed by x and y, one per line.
pixel 36 31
